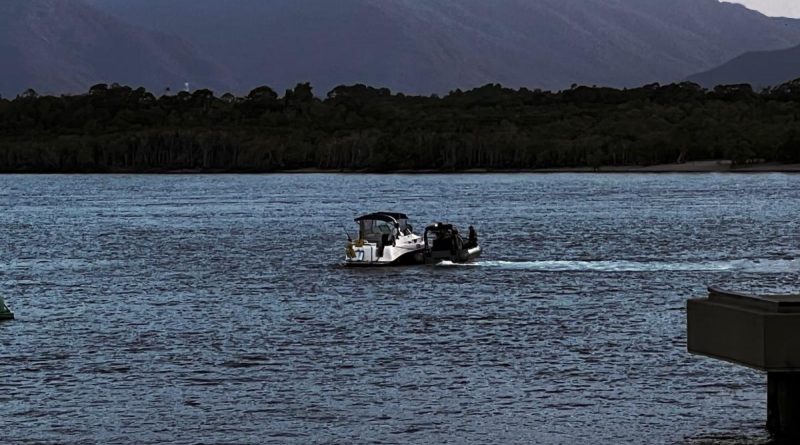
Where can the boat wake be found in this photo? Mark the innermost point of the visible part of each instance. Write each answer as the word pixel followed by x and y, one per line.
pixel 751 265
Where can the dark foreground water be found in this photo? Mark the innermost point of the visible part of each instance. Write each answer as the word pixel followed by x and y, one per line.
pixel 212 309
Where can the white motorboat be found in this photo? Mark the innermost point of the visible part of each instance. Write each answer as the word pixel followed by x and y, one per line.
pixel 384 239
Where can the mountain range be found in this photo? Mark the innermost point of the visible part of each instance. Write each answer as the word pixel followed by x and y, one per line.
pixel 758 68
pixel 57 46
pixel 412 46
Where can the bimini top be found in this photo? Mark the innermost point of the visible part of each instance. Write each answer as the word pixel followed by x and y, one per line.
pixel 382 216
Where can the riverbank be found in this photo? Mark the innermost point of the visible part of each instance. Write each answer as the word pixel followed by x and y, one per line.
pixel 718 166
pixel 712 166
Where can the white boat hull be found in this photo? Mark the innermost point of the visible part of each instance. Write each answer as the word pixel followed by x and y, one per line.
pixel 406 250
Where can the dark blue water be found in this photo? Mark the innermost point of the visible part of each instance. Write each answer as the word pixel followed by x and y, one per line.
pixel 212 309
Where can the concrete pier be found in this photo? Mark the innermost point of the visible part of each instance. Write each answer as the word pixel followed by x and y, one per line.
pixel 760 332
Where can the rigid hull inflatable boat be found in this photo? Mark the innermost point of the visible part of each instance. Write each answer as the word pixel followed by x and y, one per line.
pixel 444 243
pixel 384 239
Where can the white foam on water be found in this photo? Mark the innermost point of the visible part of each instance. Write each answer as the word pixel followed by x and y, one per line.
pixel 753 266
pixel 452 264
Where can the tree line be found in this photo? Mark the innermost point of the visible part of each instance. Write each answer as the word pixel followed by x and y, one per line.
pixel 114 128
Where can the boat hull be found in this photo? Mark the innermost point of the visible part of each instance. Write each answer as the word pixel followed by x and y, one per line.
pixel 462 256
pixel 409 258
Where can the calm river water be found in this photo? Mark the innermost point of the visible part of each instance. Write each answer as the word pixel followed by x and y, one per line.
pixel 213 309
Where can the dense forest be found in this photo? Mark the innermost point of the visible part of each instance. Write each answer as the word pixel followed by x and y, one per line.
pixel 360 128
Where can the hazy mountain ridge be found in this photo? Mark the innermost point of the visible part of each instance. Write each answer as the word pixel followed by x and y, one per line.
pixel 411 45
pixel 437 46
pixel 58 46
pixel 613 42
pixel 758 68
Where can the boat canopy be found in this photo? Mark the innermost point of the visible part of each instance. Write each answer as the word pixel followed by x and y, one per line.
pixel 383 216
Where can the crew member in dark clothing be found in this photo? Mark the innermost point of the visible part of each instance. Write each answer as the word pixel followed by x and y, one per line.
pixel 473 237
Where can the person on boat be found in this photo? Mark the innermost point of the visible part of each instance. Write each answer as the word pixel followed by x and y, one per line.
pixel 473 237
pixel 442 241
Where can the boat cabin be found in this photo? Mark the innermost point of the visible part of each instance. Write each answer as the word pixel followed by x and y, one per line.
pixel 382 226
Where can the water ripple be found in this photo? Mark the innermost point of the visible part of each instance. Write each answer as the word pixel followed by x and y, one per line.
pixel 214 309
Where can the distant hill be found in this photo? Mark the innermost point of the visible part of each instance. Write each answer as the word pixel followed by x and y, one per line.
pixel 58 46
pixel 760 69
pixel 439 45
pixel 413 46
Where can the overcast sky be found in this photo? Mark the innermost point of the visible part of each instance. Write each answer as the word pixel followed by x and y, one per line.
pixel 783 8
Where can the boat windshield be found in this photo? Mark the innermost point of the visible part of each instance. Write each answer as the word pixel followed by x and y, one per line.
pixel 373 230
pixel 404 226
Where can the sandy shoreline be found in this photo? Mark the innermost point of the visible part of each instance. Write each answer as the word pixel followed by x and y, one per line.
pixel 687 167
pixel 695 167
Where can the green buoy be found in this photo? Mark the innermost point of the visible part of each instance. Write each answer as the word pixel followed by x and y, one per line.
pixel 5 312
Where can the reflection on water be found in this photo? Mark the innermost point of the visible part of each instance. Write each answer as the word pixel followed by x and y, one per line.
pixel 213 309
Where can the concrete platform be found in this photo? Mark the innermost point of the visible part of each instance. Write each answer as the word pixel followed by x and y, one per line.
pixel 762 332
pixel 757 331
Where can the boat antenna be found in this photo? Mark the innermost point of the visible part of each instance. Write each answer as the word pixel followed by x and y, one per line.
pixel 348 234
